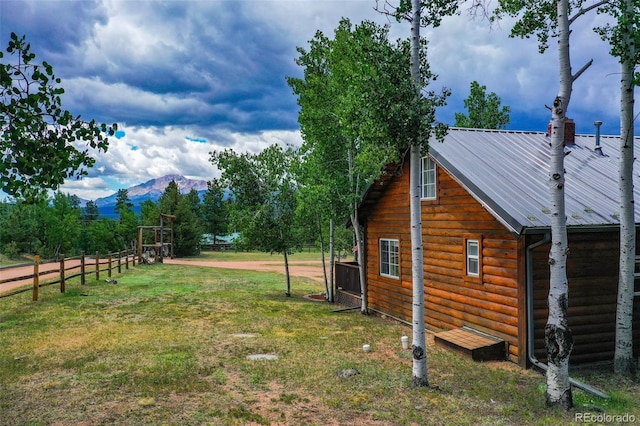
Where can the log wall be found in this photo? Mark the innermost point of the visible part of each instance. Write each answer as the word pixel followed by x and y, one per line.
pixel 592 272
pixel 496 302
pixel 489 304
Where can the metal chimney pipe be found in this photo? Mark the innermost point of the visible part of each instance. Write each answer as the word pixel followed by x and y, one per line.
pixel 598 148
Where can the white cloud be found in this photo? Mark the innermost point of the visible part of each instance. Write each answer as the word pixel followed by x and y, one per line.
pixel 151 152
pixel 215 69
pixel 87 188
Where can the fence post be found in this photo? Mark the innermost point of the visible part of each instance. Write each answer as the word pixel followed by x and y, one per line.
pixel 82 269
pixel 109 265
pixel 36 277
pixel 97 266
pixel 62 283
pixel 126 260
pixel 119 262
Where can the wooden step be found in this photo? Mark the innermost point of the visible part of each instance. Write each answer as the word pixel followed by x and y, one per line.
pixel 477 346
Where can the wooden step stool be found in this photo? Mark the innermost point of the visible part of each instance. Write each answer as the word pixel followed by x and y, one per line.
pixel 477 346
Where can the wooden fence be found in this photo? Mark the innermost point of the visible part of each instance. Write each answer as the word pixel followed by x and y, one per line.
pixel 31 277
pixel 348 277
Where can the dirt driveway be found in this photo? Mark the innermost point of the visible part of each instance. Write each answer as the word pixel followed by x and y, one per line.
pixel 307 268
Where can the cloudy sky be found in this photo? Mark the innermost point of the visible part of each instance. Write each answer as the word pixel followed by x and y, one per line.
pixel 184 78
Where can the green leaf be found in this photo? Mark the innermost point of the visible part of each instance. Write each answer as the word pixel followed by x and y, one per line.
pixel 41 158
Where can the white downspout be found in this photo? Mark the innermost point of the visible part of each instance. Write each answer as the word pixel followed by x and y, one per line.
pixel 530 328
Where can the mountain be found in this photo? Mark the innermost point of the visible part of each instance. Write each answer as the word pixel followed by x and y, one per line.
pixel 150 190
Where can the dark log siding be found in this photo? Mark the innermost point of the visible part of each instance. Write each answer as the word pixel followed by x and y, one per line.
pixel 592 272
pixel 452 299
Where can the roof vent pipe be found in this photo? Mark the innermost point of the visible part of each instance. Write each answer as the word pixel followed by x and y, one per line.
pixel 598 148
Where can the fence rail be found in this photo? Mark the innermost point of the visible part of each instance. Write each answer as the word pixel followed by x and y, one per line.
pixel 15 279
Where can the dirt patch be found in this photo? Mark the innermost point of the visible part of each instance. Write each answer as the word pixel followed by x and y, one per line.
pixel 308 268
pixel 321 297
pixel 279 407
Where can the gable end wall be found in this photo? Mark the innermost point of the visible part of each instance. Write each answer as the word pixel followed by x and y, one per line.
pixel 489 304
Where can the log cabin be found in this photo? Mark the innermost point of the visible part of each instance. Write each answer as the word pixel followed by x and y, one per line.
pixel 486 234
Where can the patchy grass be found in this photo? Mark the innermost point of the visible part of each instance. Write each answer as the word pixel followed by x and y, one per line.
pixel 168 345
pixel 257 256
pixel 5 261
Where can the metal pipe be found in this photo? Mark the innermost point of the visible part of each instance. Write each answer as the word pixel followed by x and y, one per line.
pixel 353 308
pixel 598 148
pixel 530 328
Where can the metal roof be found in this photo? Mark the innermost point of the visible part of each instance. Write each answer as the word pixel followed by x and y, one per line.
pixel 508 172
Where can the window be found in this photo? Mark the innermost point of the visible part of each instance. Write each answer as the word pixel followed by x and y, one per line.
pixel 390 258
pixel 473 258
pixel 428 179
pixel 472 247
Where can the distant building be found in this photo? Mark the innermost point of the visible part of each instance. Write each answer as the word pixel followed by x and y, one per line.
pixel 222 242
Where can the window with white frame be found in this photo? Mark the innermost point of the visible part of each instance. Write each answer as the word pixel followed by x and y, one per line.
pixel 428 179
pixel 390 258
pixel 473 258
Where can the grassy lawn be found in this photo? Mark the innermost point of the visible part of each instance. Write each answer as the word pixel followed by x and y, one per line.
pixel 168 344
pixel 230 255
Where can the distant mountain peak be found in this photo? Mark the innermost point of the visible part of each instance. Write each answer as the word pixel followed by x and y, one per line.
pixel 154 188
pixel 158 185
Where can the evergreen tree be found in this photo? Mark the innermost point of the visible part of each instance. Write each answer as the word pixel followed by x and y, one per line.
pixel 188 225
pixel 168 201
pixel 91 211
pixel 122 201
pixel 215 210
pixel 128 220
pixel 149 216
pixel 149 213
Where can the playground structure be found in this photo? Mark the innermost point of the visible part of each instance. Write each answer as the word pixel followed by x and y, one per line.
pixel 160 247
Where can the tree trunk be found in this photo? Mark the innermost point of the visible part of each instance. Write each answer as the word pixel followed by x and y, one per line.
pixel 286 269
pixel 324 262
pixel 623 357
pixel 364 307
pixel 332 264
pixel 419 346
pixel 355 222
pixel 558 338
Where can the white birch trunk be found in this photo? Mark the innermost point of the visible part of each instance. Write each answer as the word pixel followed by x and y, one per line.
pixel 364 307
pixel 332 255
pixel 327 294
pixel 419 345
pixel 558 338
pixel 623 357
pixel 355 222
